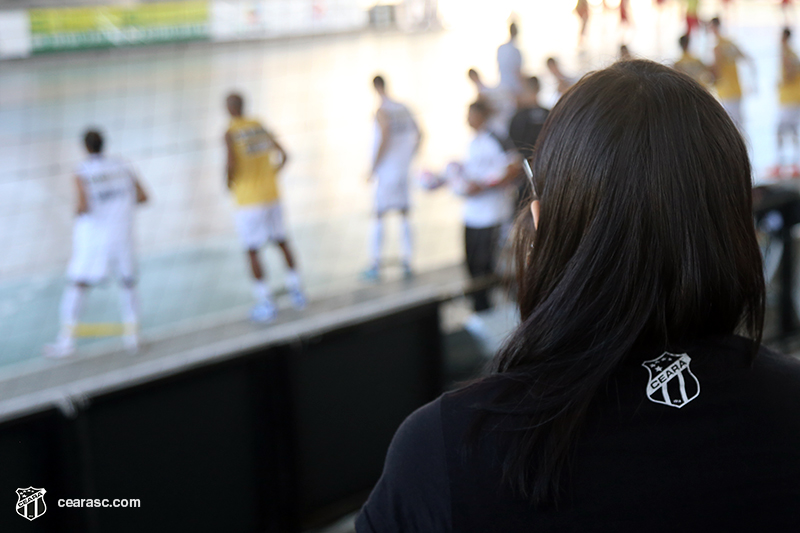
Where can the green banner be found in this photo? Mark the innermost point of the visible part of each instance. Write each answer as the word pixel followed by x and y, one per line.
pixel 102 27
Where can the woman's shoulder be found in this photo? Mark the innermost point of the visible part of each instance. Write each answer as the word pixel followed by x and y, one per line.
pixel 413 493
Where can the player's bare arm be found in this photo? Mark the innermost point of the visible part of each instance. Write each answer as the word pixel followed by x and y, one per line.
pixel 789 66
pixel 83 202
pixel 383 124
pixel 718 59
pixel 419 136
pixel 231 165
pixel 512 173
pixel 281 151
pixel 141 194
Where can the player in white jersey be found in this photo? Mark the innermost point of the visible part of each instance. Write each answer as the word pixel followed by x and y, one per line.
pixel 108 191
pixel 509 63
pixel 397 138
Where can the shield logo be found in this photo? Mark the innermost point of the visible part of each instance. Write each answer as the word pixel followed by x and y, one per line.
pixel 30 503
pixel 671 380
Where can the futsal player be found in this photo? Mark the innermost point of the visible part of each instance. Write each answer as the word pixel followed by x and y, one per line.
pixel 789 96
pixel 692 17
pixel 397 139
pixel 726 72
pixel 582 10
pixel 102 240
pixel 691 65
pixel 787 8
pixel 509 62
pixel 252 176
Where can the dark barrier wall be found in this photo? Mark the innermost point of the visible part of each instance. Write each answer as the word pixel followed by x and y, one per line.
pixel 277 439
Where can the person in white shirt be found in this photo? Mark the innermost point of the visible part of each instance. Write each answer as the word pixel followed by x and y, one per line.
pixel 108 191
pixel 397 139
pixel 488 175
pixel 501 103
pixel 509 62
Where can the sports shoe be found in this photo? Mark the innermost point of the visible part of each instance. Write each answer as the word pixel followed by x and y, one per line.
pixel 59 350
pixel 264 313
pixel 297 298
pixel 372 275
pixel 131 343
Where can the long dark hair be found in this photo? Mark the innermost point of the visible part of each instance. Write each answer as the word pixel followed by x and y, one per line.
pixel 645 239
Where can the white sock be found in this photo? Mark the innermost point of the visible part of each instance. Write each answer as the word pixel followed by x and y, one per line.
pixel 377 242
pixel 261 292
pixel 292 280
pixel 69 311
pixel 129 305
pixel 405 228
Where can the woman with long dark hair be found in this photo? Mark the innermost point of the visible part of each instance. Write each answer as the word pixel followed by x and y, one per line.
pixel 626 399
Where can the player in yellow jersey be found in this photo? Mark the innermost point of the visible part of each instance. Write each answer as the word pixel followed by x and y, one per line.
pixel 252 176
pixel 691 66
pixel 789 96
pixel 726 72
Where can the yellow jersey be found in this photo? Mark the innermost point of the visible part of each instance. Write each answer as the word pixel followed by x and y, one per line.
pixel 789 88
pixel 255 177
pixel 727 82
pixel 694 68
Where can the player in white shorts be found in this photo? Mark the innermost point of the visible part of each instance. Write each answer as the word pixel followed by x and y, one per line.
pixel 397 138
pixel 253 178
pixel 789 97
pixel 108 191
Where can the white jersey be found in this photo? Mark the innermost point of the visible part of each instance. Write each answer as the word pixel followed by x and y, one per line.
pixel 509 62
pixel 103 236
pixel 109 184
pixel 391 172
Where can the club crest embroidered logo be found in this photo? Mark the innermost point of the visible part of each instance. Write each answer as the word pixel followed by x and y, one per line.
pixel 671 380
pixel 30 503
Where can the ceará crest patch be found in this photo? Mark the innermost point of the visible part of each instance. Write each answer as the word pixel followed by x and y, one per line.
pixel 671 380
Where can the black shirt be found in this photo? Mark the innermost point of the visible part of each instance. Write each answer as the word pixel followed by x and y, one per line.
pixel 708 443
pixel 525 128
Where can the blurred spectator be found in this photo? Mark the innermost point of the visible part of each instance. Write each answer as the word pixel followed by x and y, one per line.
pixel 500 102
pixel 488 172
pixel 526 126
